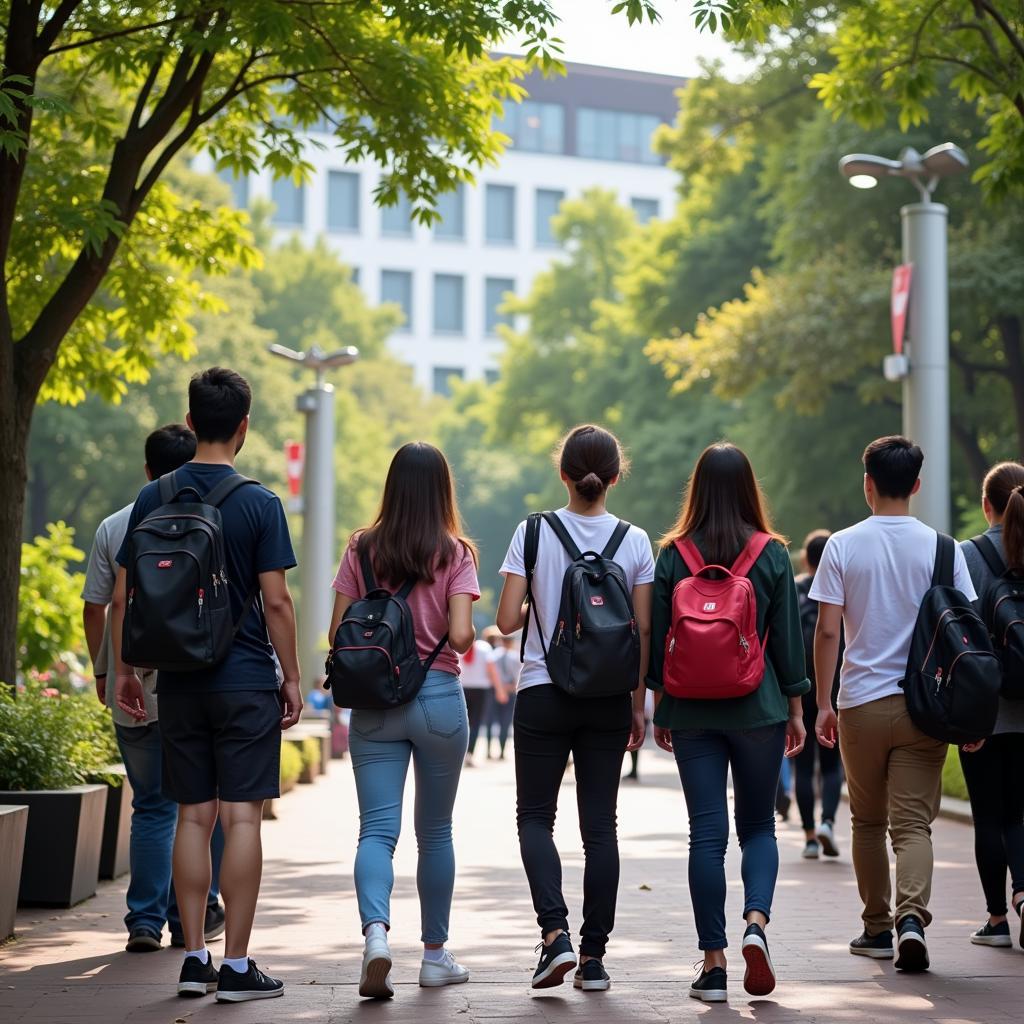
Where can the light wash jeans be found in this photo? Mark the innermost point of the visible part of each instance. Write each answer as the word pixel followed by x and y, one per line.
pixel 433 731
pixel 150 894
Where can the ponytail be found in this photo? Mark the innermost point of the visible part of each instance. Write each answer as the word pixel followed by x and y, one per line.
pixel 1004 490
pixel 591 458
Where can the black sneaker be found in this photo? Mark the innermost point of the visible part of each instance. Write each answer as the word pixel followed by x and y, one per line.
pixel 759 979
pixel 1018 909
pixel 878 947
pixel 993 935
pixel 592 977
pixel 910 945
pixel 213 926
pixel 142 940
pixel 711 986
pixel 197 978
pixel 233 987
pixel 556 961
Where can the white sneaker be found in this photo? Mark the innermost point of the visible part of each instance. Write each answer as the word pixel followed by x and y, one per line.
pixel 437 973
pixel 374 980
pixel 827 838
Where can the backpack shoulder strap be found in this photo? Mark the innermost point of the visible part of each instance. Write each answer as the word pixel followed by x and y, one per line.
pixel 690 554
pixel 945 554
pixel 750 554
pixel 168 487
pixel 530 545
pixel 366 564
pixel 558 527
pixel 432 657
pixel 616 539
pixel 405 590
pixel 990 553
pixel 219 494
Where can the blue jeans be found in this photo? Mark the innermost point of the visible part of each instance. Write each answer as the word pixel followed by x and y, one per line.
pixel 150 895
pixel 704 757
pixel 433 731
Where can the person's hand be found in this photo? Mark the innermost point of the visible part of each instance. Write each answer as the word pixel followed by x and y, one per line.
pixel 638 733
pixel 291 700
pixel 101 688
pixel 501 695
pixel 973 748
pixel 128 696
pixel 826 728
pixel 663 737
pixel 796 734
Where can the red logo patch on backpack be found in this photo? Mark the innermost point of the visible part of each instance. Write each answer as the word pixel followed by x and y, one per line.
pixel 597 601
pixel 165 563
pixel 713 650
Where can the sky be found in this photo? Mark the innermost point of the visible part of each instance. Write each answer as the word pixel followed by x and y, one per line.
pixel 591 35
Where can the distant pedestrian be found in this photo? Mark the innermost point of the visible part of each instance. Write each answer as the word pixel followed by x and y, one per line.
pixel 586 649
pixel 814 757
pixel 727 667
pixel 994 770
pixel 871 581
pixel 476 684
pixel 416 538
pixel 503 668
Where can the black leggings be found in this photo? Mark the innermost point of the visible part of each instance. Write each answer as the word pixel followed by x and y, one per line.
pixel 549 725
pixel 995 783
pixel 831 776
pixel 476 705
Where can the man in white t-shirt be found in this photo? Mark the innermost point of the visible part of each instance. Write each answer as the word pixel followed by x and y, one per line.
pixel 871 580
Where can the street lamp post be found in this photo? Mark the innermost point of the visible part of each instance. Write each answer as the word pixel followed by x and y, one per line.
pixel 318 509
pixel 925 371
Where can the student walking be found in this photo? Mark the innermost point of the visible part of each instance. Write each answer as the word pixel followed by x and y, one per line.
pixel 220 725
pixel 814 757
pixel 871 581
pixel 476 685
pixel 994 770
pixel 503 668
pixel 150 896
pixel 415 539
pixel 727 667
pixel 589 577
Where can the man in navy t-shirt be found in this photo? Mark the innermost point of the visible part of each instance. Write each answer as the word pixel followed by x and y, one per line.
pixel 221 727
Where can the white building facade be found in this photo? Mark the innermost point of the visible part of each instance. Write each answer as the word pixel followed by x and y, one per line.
pixel 589 129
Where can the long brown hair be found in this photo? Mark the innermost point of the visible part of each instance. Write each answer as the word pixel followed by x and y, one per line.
pixel 591 457
pixel 418 529
pixel 1003 487
pixel 723 503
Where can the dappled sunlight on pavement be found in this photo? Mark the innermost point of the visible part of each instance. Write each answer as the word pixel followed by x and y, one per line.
pixel 70 966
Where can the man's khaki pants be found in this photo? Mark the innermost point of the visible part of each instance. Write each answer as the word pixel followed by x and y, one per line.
pixel 894 778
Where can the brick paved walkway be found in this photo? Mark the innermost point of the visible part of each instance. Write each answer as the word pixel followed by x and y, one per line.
pixel 69 966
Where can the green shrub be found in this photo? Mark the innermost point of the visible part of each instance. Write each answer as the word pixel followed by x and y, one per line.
pixel 291 763
pixel 311 753
pixel 49 740
pixel 953 776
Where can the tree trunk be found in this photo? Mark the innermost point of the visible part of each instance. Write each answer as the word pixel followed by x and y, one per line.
pixel 1013 346
pixel 38 501
pixel 13 476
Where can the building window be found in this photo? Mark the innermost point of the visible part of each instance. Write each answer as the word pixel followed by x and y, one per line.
pixel 449 302
pixel 342 201
pixel 547 203
pixel 289 202
pixel 451 207
pixel 239 185
pixel 645 209
pixel 397 220
pixel 355 276
pixel 495 291
pixel 613 135
pixel 396 287
pixel 535 127
pixel 500 215
pixel 443 376
pixel 492 376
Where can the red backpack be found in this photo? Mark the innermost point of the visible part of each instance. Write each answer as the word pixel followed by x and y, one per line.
pixel 712 650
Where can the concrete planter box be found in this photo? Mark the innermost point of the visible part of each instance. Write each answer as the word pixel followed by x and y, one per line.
pixel 61 865
pixel 115 854
pixel 13 822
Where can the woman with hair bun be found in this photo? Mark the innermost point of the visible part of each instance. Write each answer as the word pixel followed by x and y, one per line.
pixel 550 722
pixel 994 770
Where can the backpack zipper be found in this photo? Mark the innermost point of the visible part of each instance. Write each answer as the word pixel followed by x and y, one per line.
pixel 201 594
pixel 939 625
pixel 579 625
pixel 561 633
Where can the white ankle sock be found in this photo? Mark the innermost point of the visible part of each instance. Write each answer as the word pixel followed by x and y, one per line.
pixel 202 955
pixel 376 929
pixel 433 955
pixel 239 964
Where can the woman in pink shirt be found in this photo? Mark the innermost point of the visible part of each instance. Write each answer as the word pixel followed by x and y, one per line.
pixel 416 536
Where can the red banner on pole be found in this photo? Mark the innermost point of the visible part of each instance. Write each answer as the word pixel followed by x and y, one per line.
pixel 295 457
pixel 901 279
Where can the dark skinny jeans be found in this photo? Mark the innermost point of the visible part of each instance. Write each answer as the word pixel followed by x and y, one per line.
pixel 804 762
pixel 549 726
pixel 995 784
pixel 704 757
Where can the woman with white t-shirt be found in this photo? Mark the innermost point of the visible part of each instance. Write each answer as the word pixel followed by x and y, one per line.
pixel 550 725
pixel 476 685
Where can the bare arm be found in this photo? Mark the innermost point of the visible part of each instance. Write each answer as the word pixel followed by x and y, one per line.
pixel 94 619
pixel 461 633
pixel 127 685
pixel 342 603
pixel 511 605
pixel 827 635
pixel 643 596
pixel 280 613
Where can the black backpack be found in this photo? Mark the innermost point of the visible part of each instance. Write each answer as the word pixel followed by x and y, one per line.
pixel 374 663
pixel 595 649
pixel 808 619
pixel 178 615
pixel 1002 608
pixel 953 678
